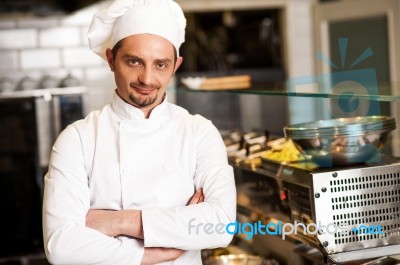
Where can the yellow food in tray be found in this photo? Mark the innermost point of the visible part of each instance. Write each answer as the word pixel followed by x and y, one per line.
pixel 252 162
pixel 283 150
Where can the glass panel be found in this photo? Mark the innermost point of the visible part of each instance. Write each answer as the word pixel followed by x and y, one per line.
pixel 387 92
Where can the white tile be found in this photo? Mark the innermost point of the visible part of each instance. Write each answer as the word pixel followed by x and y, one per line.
pixel 39 22
pixel 59 37
pixel 84 36
pixel 9 60
pixel 81 57
pixel 8 23
pixel 40 58
pixel 18 38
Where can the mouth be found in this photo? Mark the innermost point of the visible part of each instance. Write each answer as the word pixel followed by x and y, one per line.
pixel 144 91
pixel 147 90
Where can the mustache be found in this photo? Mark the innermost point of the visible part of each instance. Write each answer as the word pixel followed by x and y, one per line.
pixel 141 85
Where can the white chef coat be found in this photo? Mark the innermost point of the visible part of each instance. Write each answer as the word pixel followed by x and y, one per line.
pixel 116 159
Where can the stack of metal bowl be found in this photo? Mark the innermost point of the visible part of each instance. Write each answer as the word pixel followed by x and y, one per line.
pixel 343 141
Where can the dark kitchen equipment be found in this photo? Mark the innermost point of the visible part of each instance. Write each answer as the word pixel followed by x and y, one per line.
pixel 30 122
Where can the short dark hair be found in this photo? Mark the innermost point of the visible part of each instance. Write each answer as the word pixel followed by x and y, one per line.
pixel 118 45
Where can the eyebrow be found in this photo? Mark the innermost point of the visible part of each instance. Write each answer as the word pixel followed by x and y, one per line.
pixel 166 61
pixel 137 58
pixel 134 57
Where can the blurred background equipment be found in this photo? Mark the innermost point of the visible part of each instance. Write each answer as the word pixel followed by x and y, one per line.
pixel 30 121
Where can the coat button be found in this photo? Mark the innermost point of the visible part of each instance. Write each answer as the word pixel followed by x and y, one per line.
pixel 126 171
pixel 167 167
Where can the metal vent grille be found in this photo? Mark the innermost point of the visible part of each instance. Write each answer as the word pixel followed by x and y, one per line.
pixel 365 182
pixel 378 193
pixel 367 201
pixel 378 216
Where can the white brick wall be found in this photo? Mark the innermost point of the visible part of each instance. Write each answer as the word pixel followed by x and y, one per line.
pixel 84 37
pixel 55 46
pixel 18 38
pixel 7 24
pixel 59 37
pixel 81 57
pixel 42 22
pixel 9 60
pixel 39 58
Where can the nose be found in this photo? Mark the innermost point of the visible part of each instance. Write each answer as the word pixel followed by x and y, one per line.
pixel 145 76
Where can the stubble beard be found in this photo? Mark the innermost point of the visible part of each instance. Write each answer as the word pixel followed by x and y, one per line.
pixel 142 101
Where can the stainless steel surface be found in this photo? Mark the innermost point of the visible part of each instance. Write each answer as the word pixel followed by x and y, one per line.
pixel 343 141
pixel 364 196
pixel 384 261
pixel 367 194
pixel 44 93
pixel 48 115
pixel 45 132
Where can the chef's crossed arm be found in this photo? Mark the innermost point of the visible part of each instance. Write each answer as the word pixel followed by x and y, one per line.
pixel 128 222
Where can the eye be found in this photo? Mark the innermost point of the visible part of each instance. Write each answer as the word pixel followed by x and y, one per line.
pixel 162 65
pixel 133 62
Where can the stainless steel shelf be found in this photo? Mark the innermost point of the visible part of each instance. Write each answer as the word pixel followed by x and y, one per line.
pixel 48 92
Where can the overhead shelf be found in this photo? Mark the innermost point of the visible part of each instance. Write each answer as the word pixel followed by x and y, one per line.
pixel 383 92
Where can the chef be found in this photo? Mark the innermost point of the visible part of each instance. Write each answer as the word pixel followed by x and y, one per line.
pixel 141 181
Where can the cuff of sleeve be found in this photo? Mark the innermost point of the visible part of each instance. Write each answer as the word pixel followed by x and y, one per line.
pixel 135 247
pixel 146 223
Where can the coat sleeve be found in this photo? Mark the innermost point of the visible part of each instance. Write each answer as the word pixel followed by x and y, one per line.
pixel 65 205
pixel 202 225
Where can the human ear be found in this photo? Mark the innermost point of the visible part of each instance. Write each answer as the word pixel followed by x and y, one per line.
pixel 110 59
pixel 178 63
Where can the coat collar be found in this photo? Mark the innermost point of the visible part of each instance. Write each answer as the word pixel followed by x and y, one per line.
pixel 128 112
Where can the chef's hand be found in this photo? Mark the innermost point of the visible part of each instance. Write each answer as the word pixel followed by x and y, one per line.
pixel 198 197
pixel 159 255
pixel 114 223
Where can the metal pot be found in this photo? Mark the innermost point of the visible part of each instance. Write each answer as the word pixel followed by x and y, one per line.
pixel 239 259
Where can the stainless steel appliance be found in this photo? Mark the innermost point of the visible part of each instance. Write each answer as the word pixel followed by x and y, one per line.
pixel 366 196
pixel 29 124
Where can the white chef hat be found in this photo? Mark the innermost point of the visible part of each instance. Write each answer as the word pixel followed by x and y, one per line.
pixel 124 18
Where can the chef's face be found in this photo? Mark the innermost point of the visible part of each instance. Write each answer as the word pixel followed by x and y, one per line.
pixel 143 65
